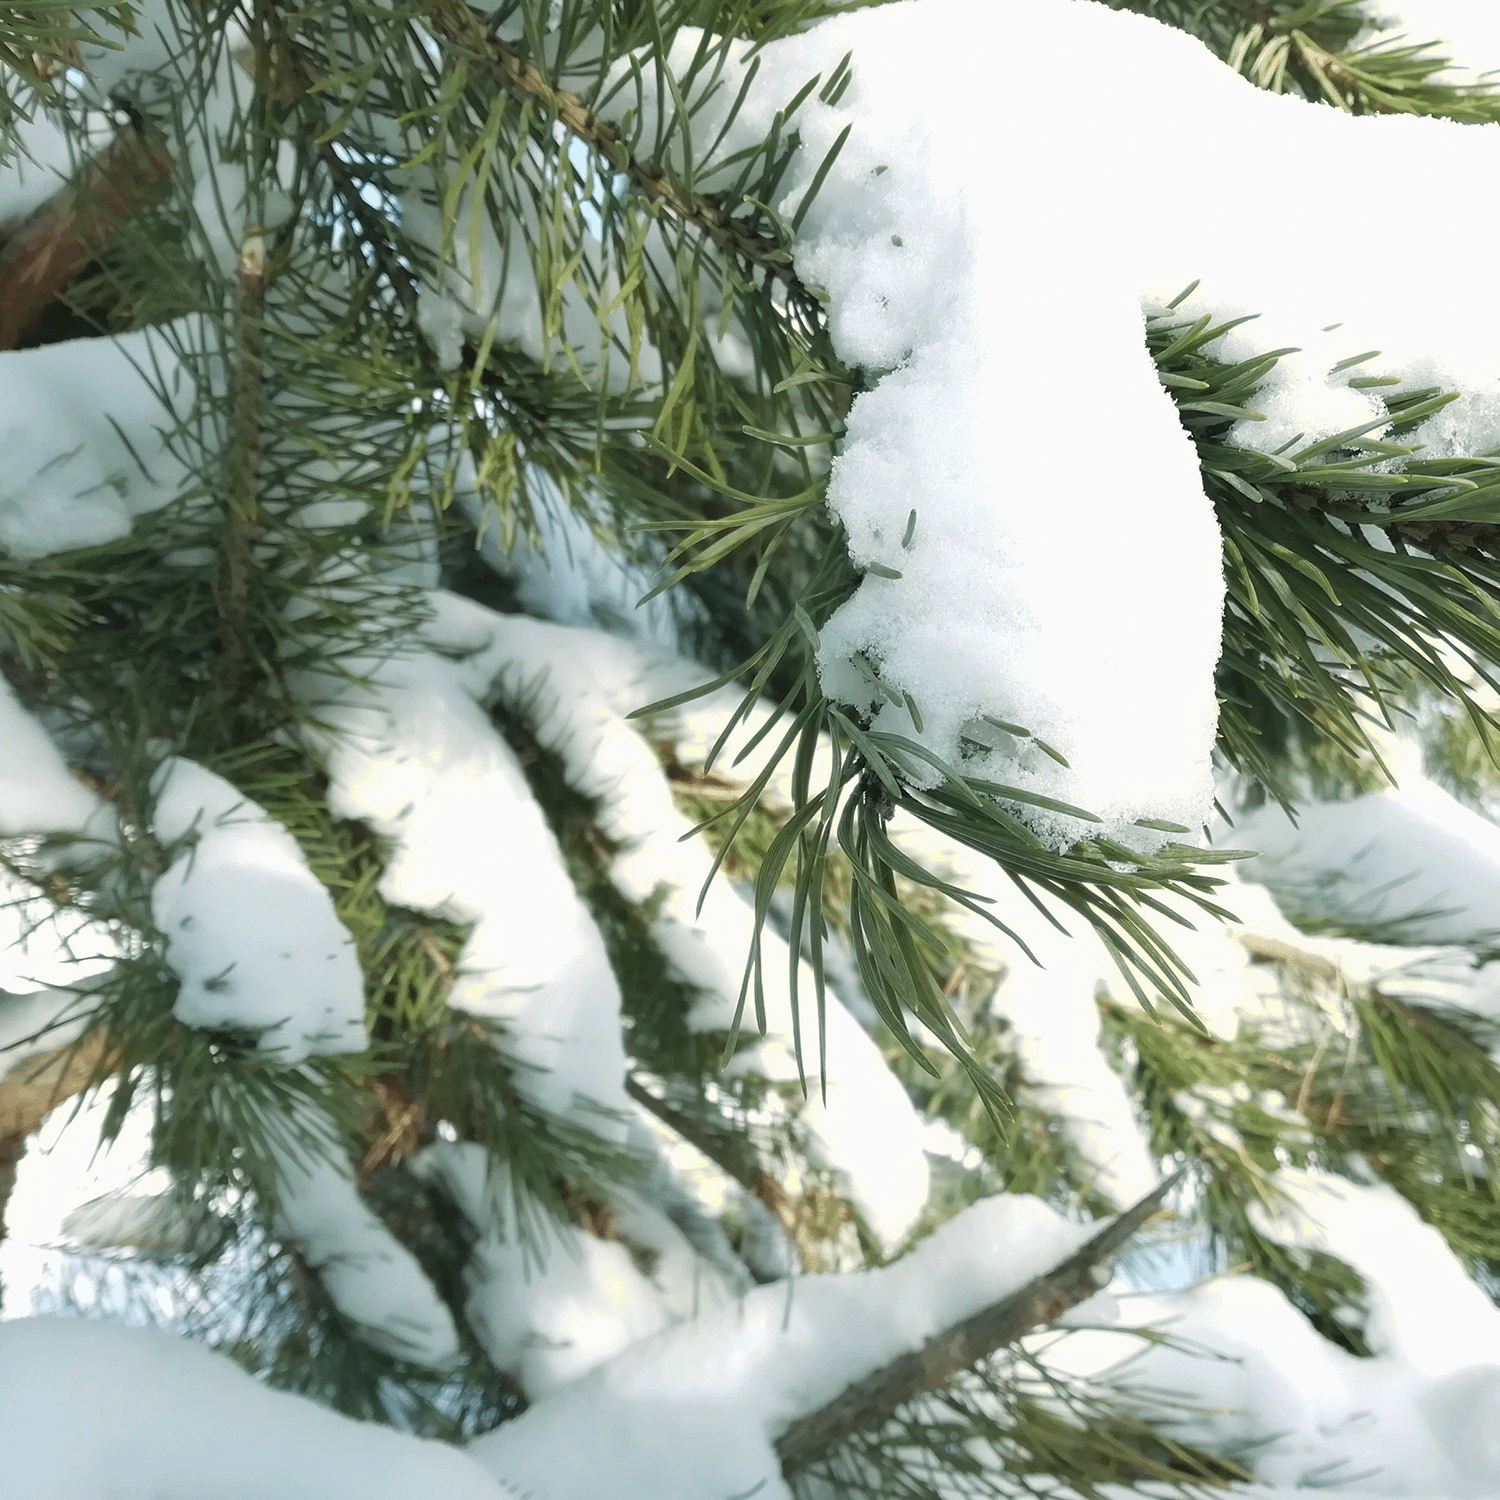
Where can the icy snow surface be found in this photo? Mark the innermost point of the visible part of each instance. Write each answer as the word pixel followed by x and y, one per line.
pixel 251 932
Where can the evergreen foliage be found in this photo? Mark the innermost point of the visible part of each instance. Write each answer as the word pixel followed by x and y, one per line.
pixel 339 445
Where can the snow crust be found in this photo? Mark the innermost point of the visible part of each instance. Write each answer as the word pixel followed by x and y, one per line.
pixel 250 931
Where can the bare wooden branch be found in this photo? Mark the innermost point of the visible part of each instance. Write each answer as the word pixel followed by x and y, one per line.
pixel 1269 950
pixel 1041 1301
pixel 46 250
pixel 242 526
pixel 34 1088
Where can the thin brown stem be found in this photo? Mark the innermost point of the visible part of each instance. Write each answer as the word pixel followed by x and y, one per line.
pixel 30 1092
pixel 1041 1301
pixel 42 254
pixel 243 523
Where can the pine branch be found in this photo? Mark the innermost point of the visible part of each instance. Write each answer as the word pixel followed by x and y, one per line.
pixel 466 28
pixel 1254 12
pixel 33 1089
pixel 40 257
pixel 243 526
pixel 1430 536
pixel 740 1167
pixel 1040 1302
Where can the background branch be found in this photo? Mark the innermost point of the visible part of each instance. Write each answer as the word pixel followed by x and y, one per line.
pixel 47 249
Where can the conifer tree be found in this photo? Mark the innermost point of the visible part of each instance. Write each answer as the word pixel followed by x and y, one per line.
pixel 641 644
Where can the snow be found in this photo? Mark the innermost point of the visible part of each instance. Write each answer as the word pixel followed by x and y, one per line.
pixel 777 1354
pixel 374 1281
pixel 1468 33
pixel 250 931
pixel 576 686
pixel 92 1409
pixel 569 575
pixel 1411 857
pixel 550 1309
pixel 1416 1419
pixel 1424 1310
pixel 66 1167
pixel 40 162
pixel 84 433
pixel 413 757
pixel 1256 1381
pixel 932 293
pixel 38 794
pixel 968 308
pixel 88 1409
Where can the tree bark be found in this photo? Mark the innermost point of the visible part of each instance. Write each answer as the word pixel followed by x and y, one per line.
pixel 1041 1301
pixel 42 254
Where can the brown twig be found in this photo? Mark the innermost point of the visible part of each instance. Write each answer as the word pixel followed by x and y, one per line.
pixel 34 1088
pixel 243 521
pixel 1041 1301
pixel 1452 536
pixel 41 255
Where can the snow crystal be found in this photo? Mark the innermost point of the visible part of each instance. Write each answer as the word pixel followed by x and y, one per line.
pixel 251 932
